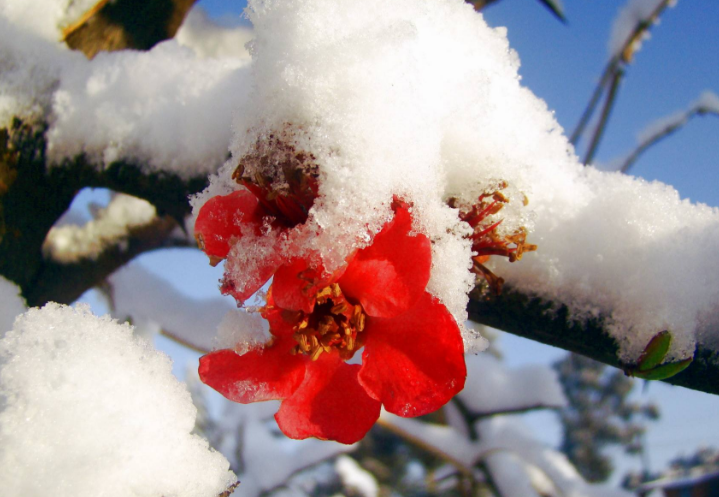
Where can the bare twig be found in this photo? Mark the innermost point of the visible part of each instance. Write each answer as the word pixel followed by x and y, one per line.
pixel 461 467
pixel 664 132
pixel 182 341
pixel 616 62
pixel 604 119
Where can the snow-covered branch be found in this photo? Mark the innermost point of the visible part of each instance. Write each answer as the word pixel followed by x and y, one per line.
pixel 37 195
pixel 550 323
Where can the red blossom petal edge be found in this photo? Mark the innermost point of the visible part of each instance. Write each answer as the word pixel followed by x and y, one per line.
pixel 262 374
pixel 389 276
pixel 222 218
pixel 414 363
pixel 330 404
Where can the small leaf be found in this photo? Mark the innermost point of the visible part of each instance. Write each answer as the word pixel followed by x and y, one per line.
pixel 664 371
pixel 655 351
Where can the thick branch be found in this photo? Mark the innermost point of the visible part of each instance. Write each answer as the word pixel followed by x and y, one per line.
pixel 138 24
pixel 532 318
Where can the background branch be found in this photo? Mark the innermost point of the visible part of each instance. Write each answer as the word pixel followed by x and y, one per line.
pixel 615 65
pixel 664 132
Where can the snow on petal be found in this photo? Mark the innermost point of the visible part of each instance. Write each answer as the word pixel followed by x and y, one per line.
pixel 89 408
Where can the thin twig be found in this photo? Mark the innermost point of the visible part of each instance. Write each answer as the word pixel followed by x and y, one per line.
pixel 183 342
pixel 604 119
pixel 663 133
pixel 461 467
pixel 621 57
pixel 516 410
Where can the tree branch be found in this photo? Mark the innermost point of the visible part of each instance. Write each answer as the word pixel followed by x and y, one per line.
pixel 622 57
pixel 544 322
pixel 137 24
pixel 33 197
pixel 604 118
pixel 64 283
pixel 664 132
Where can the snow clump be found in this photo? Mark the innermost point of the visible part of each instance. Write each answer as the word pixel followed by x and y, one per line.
pixel 89 409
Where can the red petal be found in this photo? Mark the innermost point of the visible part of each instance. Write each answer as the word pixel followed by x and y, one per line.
pixel 262 374
pixel 295 286
pixel 391 274
pixel 221 218
pixel 330 404
pixel 414 363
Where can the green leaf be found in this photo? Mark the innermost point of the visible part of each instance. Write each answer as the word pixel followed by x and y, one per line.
pixel 556 7
pixel 655 351
pixel 664 371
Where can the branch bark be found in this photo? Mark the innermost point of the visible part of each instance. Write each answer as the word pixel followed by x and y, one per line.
pixel 136 24
pixel 544 322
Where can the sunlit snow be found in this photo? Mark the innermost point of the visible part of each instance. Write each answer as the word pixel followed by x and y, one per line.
pixel 89 409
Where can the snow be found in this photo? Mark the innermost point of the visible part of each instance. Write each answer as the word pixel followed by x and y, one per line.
pixel 70 243
pixel 211 40
pixel 504 435
pixel 363 92
pixel 11 304
pixel 46 18
pixel 154 305
pixel 30 68
pixel 165 109
pixel 89 409
pixel 519 464
pixel 356 478
pixel 249 436
pixel 492 388
pixel 709 101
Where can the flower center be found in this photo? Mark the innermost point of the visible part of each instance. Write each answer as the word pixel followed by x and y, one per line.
pixel 334 323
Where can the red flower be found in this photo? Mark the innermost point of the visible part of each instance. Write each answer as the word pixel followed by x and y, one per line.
pixel 413 357
pixel 225 219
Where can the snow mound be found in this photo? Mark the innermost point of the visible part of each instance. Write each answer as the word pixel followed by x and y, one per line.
pixel 89 409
